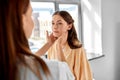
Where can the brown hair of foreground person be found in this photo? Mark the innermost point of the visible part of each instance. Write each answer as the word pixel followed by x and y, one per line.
pixel 14 46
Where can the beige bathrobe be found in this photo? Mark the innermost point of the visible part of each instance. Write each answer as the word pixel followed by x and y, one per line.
pixel 76 59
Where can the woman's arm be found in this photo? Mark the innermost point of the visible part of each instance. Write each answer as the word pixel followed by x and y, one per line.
pixel 82 70
pixel 43 50
pixel 50 40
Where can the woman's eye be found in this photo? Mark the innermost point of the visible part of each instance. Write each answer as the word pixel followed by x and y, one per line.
pixel 52 23
pixel 59 23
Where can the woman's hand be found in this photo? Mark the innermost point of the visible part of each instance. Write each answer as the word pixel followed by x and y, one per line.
pixel 50 38
pixel 62 40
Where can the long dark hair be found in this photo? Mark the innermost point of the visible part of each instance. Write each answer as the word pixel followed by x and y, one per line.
pixel 13 42
pixel 72 39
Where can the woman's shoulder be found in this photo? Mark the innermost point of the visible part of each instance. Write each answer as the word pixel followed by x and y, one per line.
pixel 59 70
pixel 26 72
pixel 78 51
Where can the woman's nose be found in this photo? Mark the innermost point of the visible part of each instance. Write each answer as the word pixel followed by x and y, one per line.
pixel 55 26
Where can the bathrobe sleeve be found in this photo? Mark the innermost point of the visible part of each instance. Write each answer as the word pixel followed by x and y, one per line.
pixel 81 67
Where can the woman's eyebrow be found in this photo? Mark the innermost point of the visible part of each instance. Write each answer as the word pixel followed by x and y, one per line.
pixel 59 20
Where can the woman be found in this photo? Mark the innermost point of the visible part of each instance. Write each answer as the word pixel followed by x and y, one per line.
pixel 67 47
pixel 16 60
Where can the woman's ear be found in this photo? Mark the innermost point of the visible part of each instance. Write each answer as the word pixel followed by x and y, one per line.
pixel 69 26
pixel 24 20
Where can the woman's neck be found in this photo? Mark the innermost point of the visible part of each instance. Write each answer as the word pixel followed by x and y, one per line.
pixel 63 45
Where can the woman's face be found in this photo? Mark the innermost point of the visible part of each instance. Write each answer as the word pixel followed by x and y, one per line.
pixel 28 22
pixel 59 25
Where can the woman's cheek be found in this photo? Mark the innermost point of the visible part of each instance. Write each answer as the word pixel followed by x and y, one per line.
pixel 64 30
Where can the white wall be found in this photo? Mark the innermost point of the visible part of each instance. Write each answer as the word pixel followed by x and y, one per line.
pixel 91 26
pixel 108 67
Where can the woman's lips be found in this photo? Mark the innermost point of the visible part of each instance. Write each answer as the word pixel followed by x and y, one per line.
pixel 55 32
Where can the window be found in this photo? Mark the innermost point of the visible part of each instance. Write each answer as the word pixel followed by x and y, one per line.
pixel 42 13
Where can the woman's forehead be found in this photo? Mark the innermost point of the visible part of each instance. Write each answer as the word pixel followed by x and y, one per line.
pixel 57 18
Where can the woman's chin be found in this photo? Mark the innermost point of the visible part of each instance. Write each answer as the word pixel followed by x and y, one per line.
pixel 55 35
